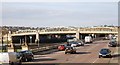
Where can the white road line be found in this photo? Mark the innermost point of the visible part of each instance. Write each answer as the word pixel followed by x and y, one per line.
pixel 95 60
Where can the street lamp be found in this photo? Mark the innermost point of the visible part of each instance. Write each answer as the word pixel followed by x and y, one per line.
pixel 2 43
pixel 7 41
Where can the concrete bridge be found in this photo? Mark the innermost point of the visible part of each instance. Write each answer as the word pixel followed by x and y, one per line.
pixel 25 37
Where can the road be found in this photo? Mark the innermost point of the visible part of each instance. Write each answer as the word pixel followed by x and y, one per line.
pixel 85 54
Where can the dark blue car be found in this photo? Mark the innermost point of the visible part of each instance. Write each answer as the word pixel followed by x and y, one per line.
pixel 105 53
pixel 26 55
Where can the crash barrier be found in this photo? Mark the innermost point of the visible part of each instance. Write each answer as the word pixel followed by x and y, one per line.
pixel 45 48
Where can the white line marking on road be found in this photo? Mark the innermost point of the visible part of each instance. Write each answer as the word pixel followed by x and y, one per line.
pixel 95 60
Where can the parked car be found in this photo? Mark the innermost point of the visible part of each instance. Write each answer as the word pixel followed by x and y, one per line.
pixel 112 43
pixel 88 39
pixel 62 47
pixel 70 49
pixel 26 55
pixel 105 53
pixel 10 58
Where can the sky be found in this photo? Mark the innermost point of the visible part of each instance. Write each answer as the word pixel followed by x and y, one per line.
pixel 50 14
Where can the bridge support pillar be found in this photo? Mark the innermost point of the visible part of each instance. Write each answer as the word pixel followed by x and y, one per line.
pixel 25 48
pixel 11 48
pixel 119 35
pixel 77 34
pixel 37 38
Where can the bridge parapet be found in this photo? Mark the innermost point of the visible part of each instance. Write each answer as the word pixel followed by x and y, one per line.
pixel 65 30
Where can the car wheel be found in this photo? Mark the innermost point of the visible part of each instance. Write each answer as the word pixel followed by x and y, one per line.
pixel 19 63
pixel 65 52
pixel 26 59
pixel 31 58
pixel 110 56
pixel 75 52
pixel 99 56
pixel 12 63
pixel 83 45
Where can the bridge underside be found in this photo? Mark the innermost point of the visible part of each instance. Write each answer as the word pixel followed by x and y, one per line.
pixel 30 40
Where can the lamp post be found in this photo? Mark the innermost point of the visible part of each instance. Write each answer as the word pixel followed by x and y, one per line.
pixel 7 41
pixel 2 43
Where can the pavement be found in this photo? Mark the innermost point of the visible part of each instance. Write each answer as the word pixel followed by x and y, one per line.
pixel 87 54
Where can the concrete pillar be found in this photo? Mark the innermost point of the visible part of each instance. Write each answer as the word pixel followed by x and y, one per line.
pixel 9 36
pixel 78 34
pixel 37 35
pixel 119 35
pixel 37 38
pixel 25 46
pixel 11 49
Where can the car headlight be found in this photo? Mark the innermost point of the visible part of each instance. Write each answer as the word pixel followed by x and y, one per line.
pixel 100 54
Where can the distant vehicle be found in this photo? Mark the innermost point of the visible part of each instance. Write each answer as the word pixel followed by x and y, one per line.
pixel 10 58
pixel 112 43
pixel 74 44
pixel 70 40
pixel 105 53
pixel 26 55
pixel 62 47
pixel 81 43
pixel 70 50
pixel 88 39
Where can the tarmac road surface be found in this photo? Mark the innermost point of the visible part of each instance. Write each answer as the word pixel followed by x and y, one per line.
pixel 85 54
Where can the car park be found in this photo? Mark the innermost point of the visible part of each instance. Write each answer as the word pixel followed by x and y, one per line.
pixel 70 50
pixel 26 55
pixel 105 53
pixel 10 58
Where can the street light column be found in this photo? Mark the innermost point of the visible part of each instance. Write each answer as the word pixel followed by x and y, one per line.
pixel 2 43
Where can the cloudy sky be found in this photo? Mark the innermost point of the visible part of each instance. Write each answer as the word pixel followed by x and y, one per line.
pixel 41 14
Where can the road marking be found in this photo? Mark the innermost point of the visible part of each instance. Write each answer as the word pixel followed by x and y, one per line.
pixel 95 60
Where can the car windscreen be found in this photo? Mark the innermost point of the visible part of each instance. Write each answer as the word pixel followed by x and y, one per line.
pixel 112 42
pixel 104 51
pixel 74 43
pixel 69 48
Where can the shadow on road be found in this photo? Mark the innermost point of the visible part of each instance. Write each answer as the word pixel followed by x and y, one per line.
pixel 43 59
pixel 46 52
pixel 73 64
pixel 83 52
pixel 86 45
pixel 116 55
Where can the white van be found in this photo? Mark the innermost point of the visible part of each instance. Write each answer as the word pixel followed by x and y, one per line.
pixel 10 58
pixel 88 39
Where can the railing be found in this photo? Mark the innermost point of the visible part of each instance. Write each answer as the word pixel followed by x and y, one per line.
pixel 64 30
